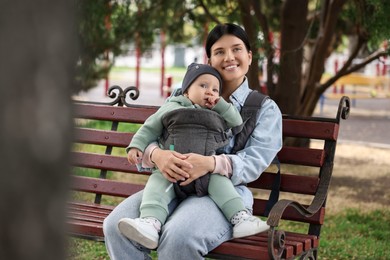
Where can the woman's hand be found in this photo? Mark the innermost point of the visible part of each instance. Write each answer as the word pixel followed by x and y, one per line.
pixel 201 165
pixel 172 165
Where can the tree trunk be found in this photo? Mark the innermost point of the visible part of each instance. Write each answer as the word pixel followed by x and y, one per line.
pixel 293 31
pixel 38 56
pixel 252 32
pixel 311 86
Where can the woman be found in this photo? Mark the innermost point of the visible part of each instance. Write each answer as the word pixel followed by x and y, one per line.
pixel 197 225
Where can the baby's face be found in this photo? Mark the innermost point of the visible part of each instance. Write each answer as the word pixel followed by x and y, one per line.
pixel 204 87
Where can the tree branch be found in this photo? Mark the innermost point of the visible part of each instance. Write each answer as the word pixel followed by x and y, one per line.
pixel 269 49
pixel 353 55
pixel 374 56
pixel 212 17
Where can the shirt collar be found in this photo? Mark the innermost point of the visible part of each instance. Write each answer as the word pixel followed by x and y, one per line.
pixel 241 93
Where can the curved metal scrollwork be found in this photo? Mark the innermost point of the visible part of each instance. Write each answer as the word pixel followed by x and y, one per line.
pixel 276 243
pixel 344 108
pixel 118 95
pixel 309 255
pixel 131 92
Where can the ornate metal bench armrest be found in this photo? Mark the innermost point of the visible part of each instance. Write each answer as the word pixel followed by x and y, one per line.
pixel 276 238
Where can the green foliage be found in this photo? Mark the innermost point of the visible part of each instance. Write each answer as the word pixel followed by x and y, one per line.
pixel 105 29
pixel 376 17
pixel 94 40
pixel 137 25
pixel 368 18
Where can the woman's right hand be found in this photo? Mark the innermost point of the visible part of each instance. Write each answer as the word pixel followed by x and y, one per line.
pixel 171 164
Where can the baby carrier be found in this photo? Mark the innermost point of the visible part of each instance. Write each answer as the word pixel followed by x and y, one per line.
pixel 204 131
pixel 194 130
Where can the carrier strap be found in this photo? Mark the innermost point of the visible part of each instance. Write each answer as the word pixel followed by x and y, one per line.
pixel 249 114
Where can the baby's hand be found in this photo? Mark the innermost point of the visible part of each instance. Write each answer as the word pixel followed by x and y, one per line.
pixel 134 156
pixel 211 101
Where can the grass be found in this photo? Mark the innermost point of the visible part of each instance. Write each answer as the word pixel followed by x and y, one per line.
pixel 352 235
pixel 346 235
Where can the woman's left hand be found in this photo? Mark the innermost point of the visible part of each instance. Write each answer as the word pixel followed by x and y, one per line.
pixel 201 166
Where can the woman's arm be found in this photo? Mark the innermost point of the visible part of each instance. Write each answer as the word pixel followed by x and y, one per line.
pixel 261 147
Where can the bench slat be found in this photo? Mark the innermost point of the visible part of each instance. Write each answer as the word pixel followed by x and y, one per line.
pixel 87 213
pixel 302 156
pixel 244 250
pixel 305 240
pixel 88 206
pixel 83 217
pixel 240 250
pixel 90 226
pixel 102 137
pixel 262 239
pixel 310 129
pixel 315 241
pixel 104 186
pixel 82 228
pixel 113 113
pixel 102 161
pixel 289 183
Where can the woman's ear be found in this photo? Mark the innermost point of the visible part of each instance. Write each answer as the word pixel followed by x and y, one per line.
pixel 250 57
pixel 208 62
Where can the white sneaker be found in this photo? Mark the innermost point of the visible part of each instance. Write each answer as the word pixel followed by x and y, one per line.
pixel 141 230
pixel 249 226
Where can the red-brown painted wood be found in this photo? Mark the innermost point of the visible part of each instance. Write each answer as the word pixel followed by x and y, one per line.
pixel 310 129
pixel 102 137
pixel 113 113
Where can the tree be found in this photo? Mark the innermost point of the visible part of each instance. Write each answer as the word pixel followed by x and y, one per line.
pixel 106 29
pixel 38 54
pixel 309 31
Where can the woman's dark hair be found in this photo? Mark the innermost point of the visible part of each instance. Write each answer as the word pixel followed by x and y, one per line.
pixel 222 29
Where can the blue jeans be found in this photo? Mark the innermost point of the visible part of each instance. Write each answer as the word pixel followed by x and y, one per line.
pixel 195 227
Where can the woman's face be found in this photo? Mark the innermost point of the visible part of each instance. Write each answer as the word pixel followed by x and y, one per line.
pixel 231 58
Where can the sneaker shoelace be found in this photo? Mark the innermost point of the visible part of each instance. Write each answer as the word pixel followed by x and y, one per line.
pixel 152 221
pixel 239 217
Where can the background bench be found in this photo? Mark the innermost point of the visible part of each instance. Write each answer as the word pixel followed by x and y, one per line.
pixel 357 86
pixel 103 177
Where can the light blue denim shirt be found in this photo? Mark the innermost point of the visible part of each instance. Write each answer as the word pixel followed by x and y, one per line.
pixel 260 149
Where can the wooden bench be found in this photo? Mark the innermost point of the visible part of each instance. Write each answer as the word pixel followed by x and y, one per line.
pixel 306 174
